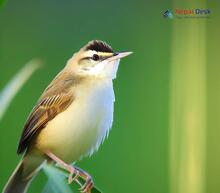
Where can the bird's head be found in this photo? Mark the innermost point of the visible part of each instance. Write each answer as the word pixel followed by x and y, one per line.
pixel 96 59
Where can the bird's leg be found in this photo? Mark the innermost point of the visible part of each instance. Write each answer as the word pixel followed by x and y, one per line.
pixel 86 188
pixel 65 166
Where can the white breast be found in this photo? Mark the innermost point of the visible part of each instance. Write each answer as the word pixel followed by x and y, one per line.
pixel 83 126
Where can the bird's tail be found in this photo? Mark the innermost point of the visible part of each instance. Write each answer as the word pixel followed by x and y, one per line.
pixel 16 183
pixel 21 177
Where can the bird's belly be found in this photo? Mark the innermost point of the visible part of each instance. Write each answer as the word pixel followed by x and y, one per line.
pixel 80 129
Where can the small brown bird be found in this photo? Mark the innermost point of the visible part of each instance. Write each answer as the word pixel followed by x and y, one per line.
pixel 71 118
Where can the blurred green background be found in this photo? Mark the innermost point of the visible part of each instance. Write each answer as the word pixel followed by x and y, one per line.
pixel 142 152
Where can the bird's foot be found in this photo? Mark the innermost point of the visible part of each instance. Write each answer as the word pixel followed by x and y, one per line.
pixel 75 173
pixel 87 187
pixel 73 176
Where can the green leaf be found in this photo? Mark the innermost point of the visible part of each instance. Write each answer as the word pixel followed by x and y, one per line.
pixel 15 84
pixel 57 182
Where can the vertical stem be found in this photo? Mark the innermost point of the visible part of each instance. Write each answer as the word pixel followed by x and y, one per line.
pixel 213 100
pixel 188 103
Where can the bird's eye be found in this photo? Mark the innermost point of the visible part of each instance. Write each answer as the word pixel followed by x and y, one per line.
pixel 95 57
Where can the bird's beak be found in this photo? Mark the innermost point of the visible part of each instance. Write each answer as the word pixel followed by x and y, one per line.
pixel 119 55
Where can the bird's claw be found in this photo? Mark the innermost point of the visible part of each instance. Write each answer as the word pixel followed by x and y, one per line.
pixel 86 188
pixel 75 173
pixel 72 178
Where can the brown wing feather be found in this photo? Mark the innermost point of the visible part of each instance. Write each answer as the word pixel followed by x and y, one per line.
pixel 53 101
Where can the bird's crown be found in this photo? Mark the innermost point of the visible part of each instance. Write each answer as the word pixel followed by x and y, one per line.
pixel 99 46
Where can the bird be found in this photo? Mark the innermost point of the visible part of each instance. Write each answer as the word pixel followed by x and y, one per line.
pixel 71 119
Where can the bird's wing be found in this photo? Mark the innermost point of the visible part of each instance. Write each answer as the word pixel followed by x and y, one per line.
pixel 54 100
